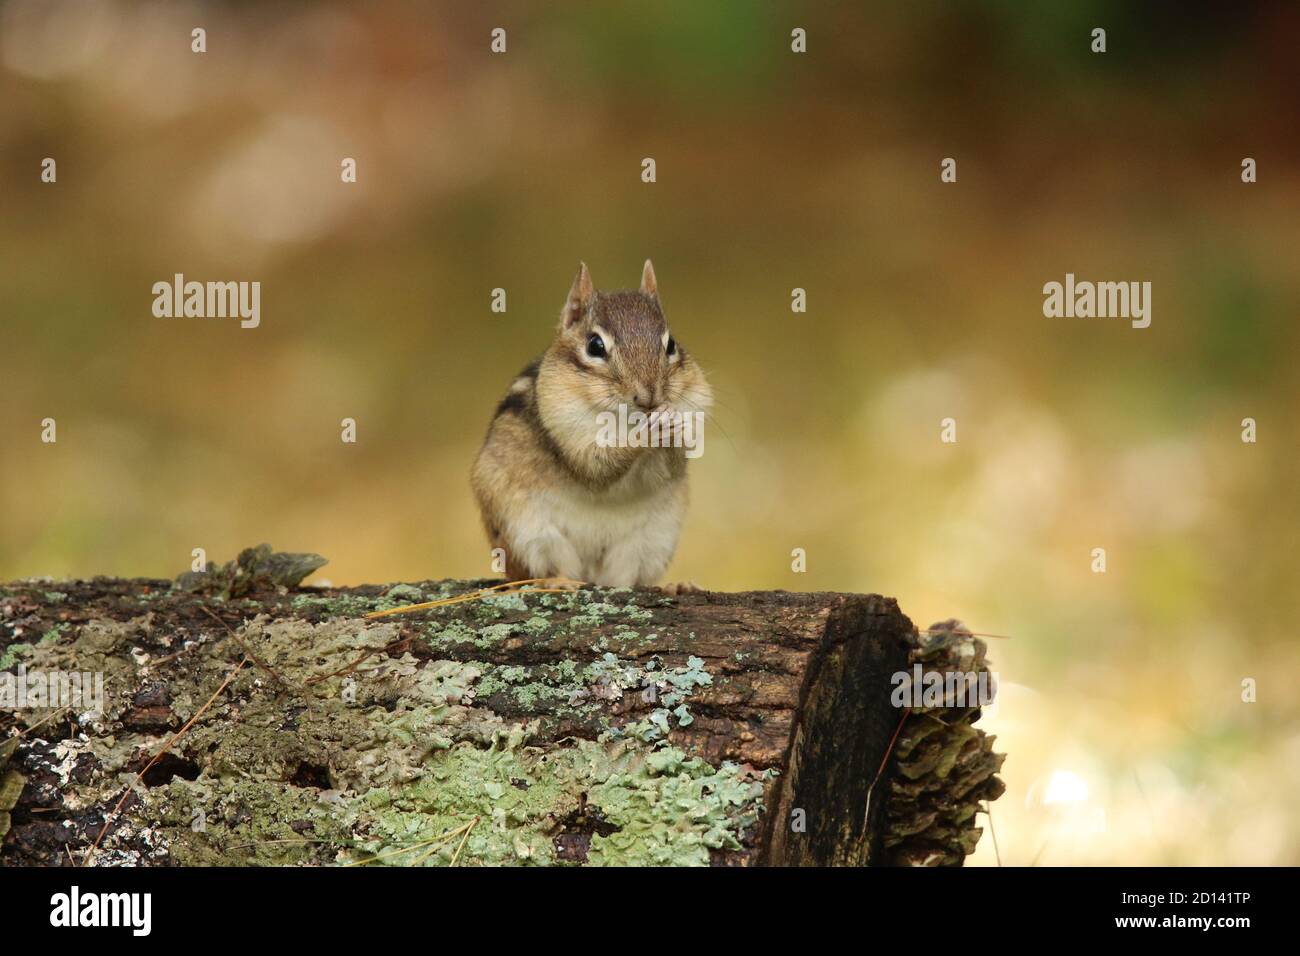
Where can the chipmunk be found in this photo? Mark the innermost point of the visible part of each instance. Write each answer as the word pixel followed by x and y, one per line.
pixel 562 504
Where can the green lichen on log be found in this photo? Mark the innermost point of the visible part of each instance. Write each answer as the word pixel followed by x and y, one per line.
pixel 11 783
pixel 350 739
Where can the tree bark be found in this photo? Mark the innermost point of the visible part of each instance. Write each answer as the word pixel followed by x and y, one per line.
pixel 584 727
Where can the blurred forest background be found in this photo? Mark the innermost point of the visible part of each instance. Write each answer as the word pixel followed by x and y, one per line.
pixel 1121 692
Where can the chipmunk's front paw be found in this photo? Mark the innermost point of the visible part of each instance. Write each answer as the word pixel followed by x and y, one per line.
pixel 666 422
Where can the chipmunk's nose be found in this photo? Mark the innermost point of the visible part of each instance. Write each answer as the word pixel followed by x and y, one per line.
pixel 644 399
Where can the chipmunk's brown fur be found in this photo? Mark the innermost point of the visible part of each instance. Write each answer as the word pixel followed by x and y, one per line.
pixel 552 498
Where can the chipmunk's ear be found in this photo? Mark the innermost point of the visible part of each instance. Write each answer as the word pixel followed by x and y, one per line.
pixel 648 284
pixel 580 296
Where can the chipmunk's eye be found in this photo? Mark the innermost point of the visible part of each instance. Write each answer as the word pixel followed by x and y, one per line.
pixel 671 346
pixel 596 346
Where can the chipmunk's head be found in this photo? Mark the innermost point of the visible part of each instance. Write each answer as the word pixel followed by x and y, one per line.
pixel 616 348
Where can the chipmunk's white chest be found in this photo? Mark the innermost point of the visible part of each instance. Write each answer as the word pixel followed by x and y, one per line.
pixel 619 537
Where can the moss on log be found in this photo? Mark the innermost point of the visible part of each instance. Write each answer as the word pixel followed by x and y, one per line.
pixel 590 727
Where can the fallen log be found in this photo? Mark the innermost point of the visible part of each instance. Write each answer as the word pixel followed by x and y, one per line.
pixel 591 726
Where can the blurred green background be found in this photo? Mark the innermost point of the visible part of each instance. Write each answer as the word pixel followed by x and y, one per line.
pixel 1121 692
